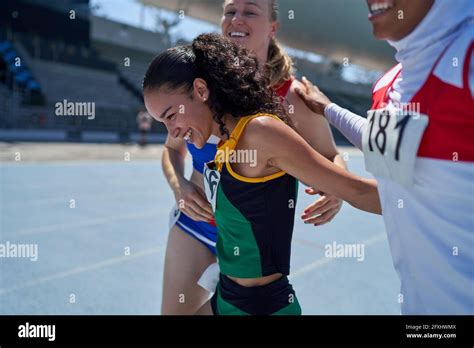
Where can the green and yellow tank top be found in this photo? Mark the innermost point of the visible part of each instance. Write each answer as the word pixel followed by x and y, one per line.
pixel 254 216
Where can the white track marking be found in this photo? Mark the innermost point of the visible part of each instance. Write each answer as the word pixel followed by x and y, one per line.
pixel 320 262
pixel 82 269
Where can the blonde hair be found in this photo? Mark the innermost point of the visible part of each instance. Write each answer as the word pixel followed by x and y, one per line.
pixel 279 65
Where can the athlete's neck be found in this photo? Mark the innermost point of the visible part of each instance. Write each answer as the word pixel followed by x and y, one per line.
pixel 230 122
pixel 262 57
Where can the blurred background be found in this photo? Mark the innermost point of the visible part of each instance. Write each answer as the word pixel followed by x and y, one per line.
pixel 98 51
pixel 89 191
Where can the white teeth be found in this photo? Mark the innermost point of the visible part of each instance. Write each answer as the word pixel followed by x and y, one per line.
pixel 237 34
pixel 380 7
pixel 188 134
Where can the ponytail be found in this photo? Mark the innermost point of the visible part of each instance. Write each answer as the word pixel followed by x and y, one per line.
pixel 279 64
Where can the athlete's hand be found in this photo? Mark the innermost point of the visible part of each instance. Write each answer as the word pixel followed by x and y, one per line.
pixel 192 201
pixel 322 210
pixel 314 99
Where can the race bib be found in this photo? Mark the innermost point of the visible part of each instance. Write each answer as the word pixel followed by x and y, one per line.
pixel 211 183
pixel 390 143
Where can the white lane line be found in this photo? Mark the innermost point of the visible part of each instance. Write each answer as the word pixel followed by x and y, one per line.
pixel 307 243
pixel 320 262
pixel 82 269
pixel 85 163
pixel 90 222
pixel 28 202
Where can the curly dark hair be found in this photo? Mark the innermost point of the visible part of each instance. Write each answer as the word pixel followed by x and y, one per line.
pixel 236 84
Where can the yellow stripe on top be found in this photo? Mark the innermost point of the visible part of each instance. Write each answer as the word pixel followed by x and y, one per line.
pixel 231 143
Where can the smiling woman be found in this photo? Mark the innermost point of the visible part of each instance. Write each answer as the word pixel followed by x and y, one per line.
pixel 191 246
pixel 424 108
pixel 395 19
pixel 251 24
pixel 219 65
pixel 215 87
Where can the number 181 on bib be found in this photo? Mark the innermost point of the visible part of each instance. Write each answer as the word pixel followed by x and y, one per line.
pixel 390 143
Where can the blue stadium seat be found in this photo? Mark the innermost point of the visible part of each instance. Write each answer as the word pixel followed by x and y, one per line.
pixel 13 68
pixel 32 85
pixel 10 56
pixel 5 46
pixel 23 76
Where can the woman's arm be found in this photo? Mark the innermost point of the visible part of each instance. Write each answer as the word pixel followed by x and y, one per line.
pixel 316 131
pixel 189 197
pixel 314 128
pixel 283 148
pixel 172 161
pixel 349 124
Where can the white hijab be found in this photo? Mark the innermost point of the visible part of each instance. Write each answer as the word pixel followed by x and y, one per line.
pixel 442 22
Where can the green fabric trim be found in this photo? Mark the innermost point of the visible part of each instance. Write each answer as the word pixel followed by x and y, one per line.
pixel 226 308
pixel 292 309
pixel 237 249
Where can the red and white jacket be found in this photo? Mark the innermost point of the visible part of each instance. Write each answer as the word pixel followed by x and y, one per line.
pixel 430 225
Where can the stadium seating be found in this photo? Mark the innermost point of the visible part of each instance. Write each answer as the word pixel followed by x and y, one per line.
pixel 20 73
pixel 74 83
